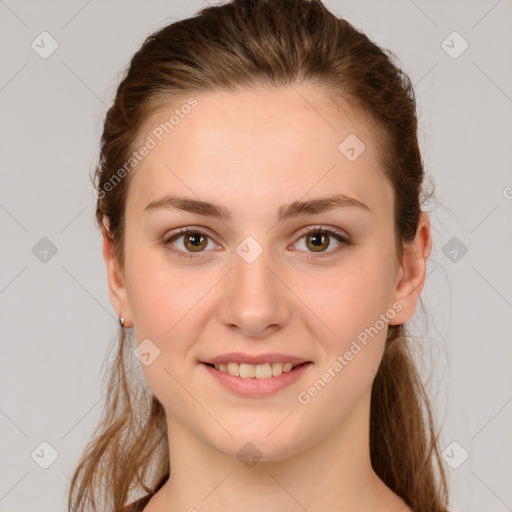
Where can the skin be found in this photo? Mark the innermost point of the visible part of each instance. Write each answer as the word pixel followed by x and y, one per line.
pixel 252 152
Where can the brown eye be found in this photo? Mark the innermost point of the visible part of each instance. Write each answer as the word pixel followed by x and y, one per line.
pixel 194 241
pixel 186 242
pixel 317 242
pixel 320 239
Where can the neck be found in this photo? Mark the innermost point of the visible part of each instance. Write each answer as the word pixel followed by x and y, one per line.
pixel 333 474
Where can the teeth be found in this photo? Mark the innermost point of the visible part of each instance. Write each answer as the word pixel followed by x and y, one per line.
pixel 247 370
pixel 258 371
pixel 263 371
pixel 232 369
pixel 287 367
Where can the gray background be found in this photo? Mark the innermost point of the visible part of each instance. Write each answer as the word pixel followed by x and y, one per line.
pixel 56 319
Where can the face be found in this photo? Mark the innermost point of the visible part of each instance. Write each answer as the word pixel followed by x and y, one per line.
pixel 260 284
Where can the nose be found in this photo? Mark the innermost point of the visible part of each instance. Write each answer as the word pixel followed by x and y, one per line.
pixel 255 299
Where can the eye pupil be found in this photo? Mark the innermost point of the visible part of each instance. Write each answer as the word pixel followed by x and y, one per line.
pixel 196 240
pixel 320 243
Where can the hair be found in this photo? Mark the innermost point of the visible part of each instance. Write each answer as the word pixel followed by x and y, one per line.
pixel 237 46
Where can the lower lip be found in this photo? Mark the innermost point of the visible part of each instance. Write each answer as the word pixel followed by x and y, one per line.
pixel 257 387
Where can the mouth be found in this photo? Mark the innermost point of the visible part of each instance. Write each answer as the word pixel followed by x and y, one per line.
pixel 255 371
pixel 256 380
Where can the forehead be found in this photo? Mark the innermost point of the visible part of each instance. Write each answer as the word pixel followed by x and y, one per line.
pixel 270 146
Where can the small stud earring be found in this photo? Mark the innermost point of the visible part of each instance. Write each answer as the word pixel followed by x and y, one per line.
pixel 121 321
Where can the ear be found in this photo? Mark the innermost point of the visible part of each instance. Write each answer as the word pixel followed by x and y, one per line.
pixel 411 276
pixel 116 284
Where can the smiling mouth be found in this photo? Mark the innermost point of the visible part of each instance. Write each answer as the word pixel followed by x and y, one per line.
pixel 255 371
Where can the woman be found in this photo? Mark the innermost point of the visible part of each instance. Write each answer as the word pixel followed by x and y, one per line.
pixel 259 195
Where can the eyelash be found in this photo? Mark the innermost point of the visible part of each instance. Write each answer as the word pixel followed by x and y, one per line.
pixel 308 231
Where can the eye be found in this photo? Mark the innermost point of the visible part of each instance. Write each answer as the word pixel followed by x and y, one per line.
pixel 194 241
pixel 318 239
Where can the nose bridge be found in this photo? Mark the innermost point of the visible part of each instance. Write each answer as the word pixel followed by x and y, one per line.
pixel 252 270
pixel 255 299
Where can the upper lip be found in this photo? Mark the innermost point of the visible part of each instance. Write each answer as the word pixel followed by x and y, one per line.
pixel 238 357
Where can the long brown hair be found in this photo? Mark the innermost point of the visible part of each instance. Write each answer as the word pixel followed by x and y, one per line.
pixel 252 44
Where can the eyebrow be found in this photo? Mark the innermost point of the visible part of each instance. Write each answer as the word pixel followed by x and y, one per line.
pixel 295 209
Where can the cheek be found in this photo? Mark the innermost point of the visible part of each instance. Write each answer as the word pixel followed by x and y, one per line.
pixel 164 304
pixel 159 295
pixel 352 303
pixel 354 296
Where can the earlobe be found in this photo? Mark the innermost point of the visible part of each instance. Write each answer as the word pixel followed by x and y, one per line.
pixel 116 284
pixel 412 271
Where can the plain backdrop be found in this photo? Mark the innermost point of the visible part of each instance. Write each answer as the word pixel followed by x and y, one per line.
pixel 56 319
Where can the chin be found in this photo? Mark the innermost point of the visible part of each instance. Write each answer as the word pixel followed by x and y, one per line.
pixel 256 444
